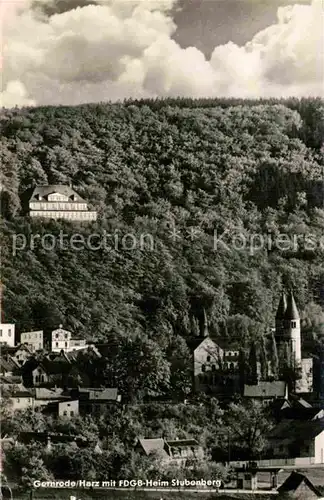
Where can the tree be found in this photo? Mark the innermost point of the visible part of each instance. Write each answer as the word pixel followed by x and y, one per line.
pixel 248 425
pixel 34 470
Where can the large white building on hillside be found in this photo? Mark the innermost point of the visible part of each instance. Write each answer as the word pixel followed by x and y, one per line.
pixel 59 202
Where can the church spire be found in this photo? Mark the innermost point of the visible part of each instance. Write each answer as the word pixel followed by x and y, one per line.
pixel 291 312
pixel 282 307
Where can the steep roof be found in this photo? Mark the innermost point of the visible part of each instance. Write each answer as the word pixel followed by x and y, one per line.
pixel 293 482
pixel 182 443
pixel 275 389
pixel 44 191
pixel 288 431
pixel 151 445
pixel 194 342
pixel 291 310
pixel 302 413
pixel 282 307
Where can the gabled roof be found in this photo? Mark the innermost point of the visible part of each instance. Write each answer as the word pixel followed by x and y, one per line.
pixel 7 365
pixel 44 191
pixel 288 431
pixel 293 482
pixel 10 380
pixel 275 389
pixel 182 443
pixel 195 342
pixel 88 348
pixel 151 445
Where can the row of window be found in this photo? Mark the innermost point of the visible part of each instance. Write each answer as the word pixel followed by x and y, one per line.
pixel 31 336
pixel 64 215
pixel 65 413
pixel 58 206
pixel 8 332
pixel 66 335
pixel 228 366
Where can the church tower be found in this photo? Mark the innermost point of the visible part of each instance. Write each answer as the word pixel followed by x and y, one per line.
pixel 292 326
pixel 288 337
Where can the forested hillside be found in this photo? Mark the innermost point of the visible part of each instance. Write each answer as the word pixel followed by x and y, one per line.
pixel 180 171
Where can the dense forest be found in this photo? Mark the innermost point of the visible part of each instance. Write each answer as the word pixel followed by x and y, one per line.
pixel 179 171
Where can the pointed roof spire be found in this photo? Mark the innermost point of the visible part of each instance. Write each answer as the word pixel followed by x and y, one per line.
pixel 291 311
pixel 282 307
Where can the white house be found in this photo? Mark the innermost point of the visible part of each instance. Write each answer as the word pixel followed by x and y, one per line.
pixel 59 202
pixel 7 334
pixel 33 339
pixel 62 341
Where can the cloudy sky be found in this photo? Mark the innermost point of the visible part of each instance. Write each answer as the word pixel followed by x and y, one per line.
pixel 74 51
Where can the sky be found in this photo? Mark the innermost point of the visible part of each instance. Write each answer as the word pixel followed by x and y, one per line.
pixel 75 51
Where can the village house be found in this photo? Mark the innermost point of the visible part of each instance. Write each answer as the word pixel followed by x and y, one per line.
pixel 179 452
pixel 20 398
pixel 34 340
pixel 296 442
pixel 7 334
pixel 59 202
pixel 44 397
pixel 95 401
pixel 66 409
pixel 62 341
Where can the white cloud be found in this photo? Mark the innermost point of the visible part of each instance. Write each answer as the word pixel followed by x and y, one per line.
pixel 124 48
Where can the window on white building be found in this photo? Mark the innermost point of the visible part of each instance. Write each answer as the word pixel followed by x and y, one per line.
pixel 203 368
pixel 208 359
pixel 9 332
